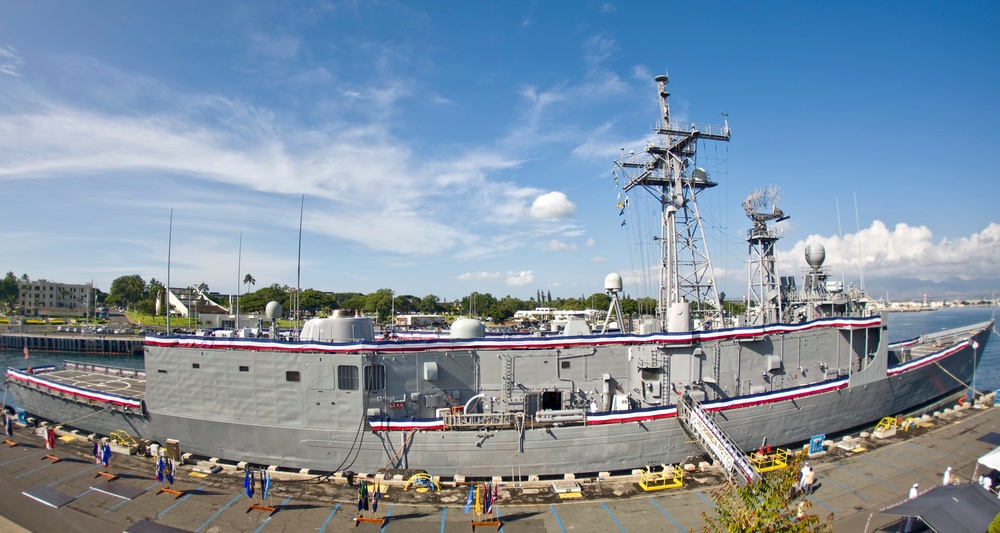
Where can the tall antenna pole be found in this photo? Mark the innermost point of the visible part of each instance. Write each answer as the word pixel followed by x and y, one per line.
pixel 861 258
pixel 239 266
pixel 170 237
pixel 840 229
pixel 298 268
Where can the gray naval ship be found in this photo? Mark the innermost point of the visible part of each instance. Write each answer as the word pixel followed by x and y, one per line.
pixel 799 362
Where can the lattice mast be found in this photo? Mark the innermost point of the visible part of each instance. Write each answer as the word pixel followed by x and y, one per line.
pixel 669 174
pixel 763 292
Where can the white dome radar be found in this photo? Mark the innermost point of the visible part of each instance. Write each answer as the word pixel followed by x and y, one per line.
pixel 815 254
pixel 273 310
pixel 613 283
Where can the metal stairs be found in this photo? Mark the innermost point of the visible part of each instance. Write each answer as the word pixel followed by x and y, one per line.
pixel 714 440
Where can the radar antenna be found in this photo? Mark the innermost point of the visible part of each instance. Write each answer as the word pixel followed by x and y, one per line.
pixel 764 294
pixel 668 172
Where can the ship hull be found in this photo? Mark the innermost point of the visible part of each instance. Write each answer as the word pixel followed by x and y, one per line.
pixel 248 421
pixel 635 439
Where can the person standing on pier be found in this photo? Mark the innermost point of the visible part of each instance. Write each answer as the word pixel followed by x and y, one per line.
pixel 947 477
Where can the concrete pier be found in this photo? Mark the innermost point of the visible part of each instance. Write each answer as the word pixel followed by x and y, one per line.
pixel 851 484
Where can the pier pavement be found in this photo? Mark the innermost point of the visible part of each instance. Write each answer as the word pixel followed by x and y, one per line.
pixel 851 485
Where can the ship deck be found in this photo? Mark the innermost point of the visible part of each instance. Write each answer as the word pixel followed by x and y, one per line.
pixel 124 386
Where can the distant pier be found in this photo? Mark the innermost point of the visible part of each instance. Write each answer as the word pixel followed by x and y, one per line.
pixel 99 344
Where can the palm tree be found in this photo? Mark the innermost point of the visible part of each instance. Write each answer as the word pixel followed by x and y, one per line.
pixel 248 280
pixel 203 287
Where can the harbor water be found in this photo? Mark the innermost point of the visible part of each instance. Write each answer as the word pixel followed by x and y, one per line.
pixel 902 326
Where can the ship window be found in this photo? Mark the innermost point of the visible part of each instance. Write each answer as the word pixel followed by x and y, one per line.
pixel 347 377
pixel 161 371
pixel 375 377
pixel 292 375
pixel 195 365
pixel 244 369
pixel 564 365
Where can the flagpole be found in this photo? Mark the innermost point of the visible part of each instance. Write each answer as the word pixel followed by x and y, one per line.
pixel 170 237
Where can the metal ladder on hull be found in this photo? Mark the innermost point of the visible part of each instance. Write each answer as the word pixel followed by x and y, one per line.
pixel 714 440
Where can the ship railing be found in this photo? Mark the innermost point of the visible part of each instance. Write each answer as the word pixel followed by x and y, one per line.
pixel 714 440
pixel 460 420
pixel 105 369
pixel 661 477
pixel 704 130
pixel 767 462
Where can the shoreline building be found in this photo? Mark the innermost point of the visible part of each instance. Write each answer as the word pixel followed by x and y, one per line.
pixel 48 298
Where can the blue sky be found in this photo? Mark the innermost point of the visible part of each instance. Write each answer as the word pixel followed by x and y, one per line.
pixel 451 147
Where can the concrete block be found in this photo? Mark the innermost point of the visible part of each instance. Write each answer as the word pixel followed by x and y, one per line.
pixel 702 465
pixel 884 433
pixel 532 477
pixel 603 475
pixel 690 467
pixel 569 477
pixel 865 435
pixel 937 414
pixel 827 443
pixel 636 471
pixel 497 479
pixel 459 479
pixel 123 450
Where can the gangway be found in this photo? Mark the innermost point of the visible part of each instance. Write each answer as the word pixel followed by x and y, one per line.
pixel 714 440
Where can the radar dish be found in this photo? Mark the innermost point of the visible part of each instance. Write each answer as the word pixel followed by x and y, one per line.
pixel 761 206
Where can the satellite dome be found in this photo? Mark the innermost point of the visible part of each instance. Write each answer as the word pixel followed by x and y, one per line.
pixel 613 282
pixel 273 310
pixel 815 254
pixel 468 328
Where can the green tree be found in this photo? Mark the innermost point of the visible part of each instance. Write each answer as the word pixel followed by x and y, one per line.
pixel 763 506
pixel 9 291
pixel 248 281
pixel 994 525
pixel 380 303
pixel 126 290
pixel 429 305
pixel 311 302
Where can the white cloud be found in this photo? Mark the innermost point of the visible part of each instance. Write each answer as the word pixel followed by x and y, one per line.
pixel 559 246
pixel 552 205
pixel 9 60
pixel 598 259
pixel 591 242
pixel 520 279
pixel 478 276
pixel 904 251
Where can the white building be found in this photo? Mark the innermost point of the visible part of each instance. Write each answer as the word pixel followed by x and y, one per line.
pixel 47 298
